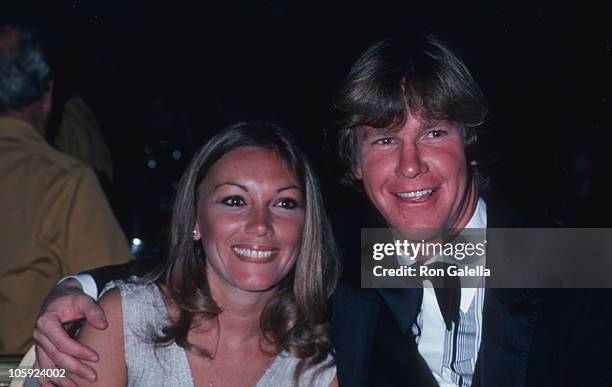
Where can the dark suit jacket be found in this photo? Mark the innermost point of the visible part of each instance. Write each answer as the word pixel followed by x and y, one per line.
pixel 531 337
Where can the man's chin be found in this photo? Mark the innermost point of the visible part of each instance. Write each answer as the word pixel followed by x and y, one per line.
pixel 418 233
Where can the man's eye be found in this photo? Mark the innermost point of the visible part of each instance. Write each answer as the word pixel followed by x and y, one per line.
pixel 287 203
pixel 383 141
pixel 436 133
pixel 233 201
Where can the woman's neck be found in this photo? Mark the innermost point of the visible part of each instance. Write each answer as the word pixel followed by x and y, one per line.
pixel 239 320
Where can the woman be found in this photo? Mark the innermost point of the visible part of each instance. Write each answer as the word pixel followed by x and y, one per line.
pixel 242 298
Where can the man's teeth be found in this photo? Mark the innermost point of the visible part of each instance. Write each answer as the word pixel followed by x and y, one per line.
pixel 414 194
pixel 253 253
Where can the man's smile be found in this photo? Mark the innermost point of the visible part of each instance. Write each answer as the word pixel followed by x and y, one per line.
pixel 418 196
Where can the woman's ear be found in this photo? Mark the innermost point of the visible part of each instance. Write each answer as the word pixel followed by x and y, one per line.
pixel 196 232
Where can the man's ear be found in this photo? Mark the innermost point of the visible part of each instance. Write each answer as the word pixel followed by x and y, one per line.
pixel 356 153
pixel 357 171
pixel 47 100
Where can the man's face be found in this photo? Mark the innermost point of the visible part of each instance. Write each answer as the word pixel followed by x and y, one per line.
pixel 416 176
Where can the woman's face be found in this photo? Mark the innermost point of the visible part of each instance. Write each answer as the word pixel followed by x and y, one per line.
pixel 250 219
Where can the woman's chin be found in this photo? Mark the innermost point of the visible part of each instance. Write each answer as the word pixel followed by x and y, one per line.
pixel 257 283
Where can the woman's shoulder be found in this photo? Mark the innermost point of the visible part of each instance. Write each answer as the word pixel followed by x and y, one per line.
pixel 144 317
pixel 110 302
pixel 141 303
pixel 132 286
pixel 108 343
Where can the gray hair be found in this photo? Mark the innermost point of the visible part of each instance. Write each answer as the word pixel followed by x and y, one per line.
pixel 24 71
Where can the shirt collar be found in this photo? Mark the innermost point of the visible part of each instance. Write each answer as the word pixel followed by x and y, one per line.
pixel 479 217
pixel 12 127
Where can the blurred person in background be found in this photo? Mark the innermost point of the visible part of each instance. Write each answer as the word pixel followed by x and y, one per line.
pixel 56 219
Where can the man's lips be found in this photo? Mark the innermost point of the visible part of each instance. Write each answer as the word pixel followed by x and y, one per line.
pixel 255 253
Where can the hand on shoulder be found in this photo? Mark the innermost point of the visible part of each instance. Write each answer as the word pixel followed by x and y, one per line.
pixel 109 344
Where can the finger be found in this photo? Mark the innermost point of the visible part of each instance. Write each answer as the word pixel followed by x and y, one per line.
pixel 93 313
pixel 44 383
pixel 51 327
pixel 42 359
pixel 62 382
pixel 44 362
pixel 69 363
pixel 65 306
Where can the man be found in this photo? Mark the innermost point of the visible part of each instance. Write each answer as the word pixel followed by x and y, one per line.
pixel 406 115
pixel 408 155
pixel 56 220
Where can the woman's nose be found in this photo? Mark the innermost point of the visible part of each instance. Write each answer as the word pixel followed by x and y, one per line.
pixel 259 222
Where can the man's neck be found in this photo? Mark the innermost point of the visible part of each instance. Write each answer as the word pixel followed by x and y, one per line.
pixel 31 114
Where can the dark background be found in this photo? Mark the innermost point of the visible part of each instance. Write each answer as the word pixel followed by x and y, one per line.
pixel 162 78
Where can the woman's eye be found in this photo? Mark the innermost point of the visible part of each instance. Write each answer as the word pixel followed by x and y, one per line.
pixel 384 141
pixel 233 201
pixel 287 203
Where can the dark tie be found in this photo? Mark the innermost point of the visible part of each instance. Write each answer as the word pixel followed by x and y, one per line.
pixel 448 294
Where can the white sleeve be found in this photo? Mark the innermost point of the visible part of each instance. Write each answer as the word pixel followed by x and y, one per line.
pixel 87 283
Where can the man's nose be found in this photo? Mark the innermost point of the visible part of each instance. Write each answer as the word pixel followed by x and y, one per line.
pixel 410 162
pixel 259 222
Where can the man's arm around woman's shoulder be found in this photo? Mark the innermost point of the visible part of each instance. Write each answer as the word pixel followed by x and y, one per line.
pixel 108 343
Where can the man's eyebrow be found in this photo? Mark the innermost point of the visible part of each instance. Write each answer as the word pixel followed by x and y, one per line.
pixel 243 187
pixel 430 125
pixel 371 132
pixel 291 186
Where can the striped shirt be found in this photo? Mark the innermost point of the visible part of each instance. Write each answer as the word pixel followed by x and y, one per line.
pixel 452 354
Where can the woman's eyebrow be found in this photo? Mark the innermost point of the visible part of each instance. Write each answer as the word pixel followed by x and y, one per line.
pixel 292 186
pixel 243 187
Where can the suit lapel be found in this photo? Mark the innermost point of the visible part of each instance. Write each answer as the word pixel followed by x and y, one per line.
pixel 509 318
pixel 404 304
pixel 402 364
pixel 354 323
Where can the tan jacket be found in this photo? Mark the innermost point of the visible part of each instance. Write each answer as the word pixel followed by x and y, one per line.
pixel 54 221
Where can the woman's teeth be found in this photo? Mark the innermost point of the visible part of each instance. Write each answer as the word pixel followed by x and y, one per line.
pixel 253 253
